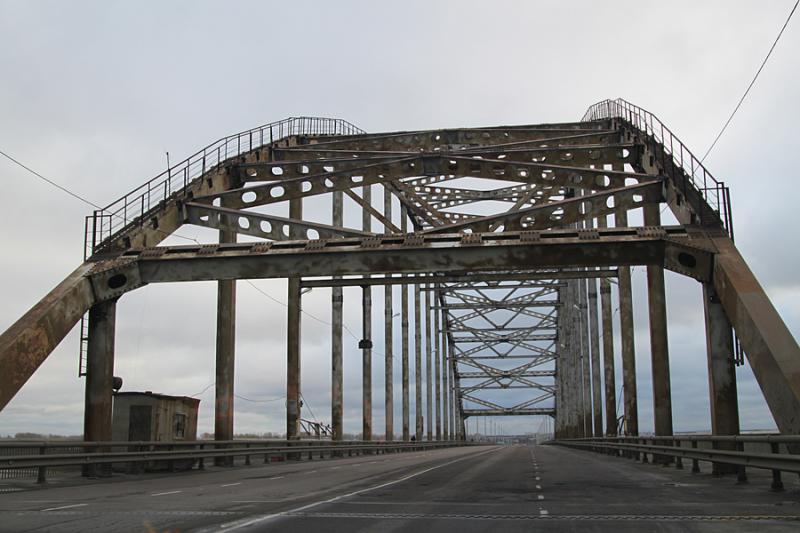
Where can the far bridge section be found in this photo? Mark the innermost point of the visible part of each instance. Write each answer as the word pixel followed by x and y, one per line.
pixel 505 242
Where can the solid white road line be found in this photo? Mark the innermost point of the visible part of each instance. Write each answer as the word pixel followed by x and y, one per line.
pixel 165 493
pixel 231 484
pixel 224 528
pixel 66 507
pixel 276 477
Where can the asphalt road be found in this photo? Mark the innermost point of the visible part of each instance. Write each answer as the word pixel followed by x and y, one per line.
pixel 514 488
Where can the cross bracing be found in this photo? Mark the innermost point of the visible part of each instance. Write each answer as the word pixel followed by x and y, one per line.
pixel 504 241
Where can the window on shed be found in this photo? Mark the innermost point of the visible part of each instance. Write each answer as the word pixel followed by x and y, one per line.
pixel 179 426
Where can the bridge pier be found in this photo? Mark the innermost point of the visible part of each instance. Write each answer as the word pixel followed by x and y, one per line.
pixel 659 351
pixel 585 358
pixel 97 415
pixel 445 377
pixel 721 374
pixel 437 377
pixel 225 357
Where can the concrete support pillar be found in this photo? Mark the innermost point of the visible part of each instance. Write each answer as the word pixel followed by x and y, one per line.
pixel 428 373
pixel 418 361
pixel 293 403
pixel 404 341
pixel 721 371
pixel 388 350
pixel 366 328
pixel 100 372
pixel 594 345
pixel 337 360
pixel 626 333
pixel 437 369
pixel 609 372
pixel 657 303
pixel 225 355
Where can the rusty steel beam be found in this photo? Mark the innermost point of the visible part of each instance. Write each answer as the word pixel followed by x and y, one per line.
pixel 769 346
pixel 27 343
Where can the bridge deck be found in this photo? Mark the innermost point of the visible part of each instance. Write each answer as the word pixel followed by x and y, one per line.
pixel 473 489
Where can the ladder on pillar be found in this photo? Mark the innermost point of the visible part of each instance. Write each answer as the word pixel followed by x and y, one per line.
pixel 84 347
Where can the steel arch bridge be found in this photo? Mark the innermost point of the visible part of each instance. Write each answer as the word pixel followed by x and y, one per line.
pixel 505 242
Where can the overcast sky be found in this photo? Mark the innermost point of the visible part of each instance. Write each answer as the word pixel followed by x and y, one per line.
pixel 94 93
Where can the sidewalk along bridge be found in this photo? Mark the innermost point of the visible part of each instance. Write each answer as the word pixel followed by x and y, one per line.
pixel 504 240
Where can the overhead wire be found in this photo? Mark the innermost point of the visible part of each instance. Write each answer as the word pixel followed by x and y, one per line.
pixel 752 82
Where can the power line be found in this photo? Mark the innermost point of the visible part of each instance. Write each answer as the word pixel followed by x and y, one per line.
pixel 51 182
pixel 751 83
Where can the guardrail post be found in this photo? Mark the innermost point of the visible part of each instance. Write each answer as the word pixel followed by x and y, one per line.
pixel 777 482
pixel 678 459
pixel 741 471
pixel 201 465
pixel 695 462
pixel 247 457
pixel 41 475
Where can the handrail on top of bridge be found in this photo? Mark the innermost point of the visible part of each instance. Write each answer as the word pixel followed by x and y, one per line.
pixel 715 192
pixel 104 223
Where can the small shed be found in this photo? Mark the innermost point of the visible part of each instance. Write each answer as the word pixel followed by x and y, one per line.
pixel 148 416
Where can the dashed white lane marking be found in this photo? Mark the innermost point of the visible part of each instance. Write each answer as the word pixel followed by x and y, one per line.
pixel 276 477
pixel 165 493
pixel 538 478
pixel 538 487
pixel 224 528
pixel 309 472
pixel 66 507
pixel 231 484
pixel 541 497
pixel 543 512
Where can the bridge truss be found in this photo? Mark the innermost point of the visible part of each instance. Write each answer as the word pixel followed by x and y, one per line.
pixel 505 241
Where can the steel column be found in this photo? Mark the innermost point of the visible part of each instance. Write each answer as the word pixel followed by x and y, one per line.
pixel 609 372
pixel 437 376
pixel 100 372
pixel 594 341
pixel 586 371
pixel 388 361
pixel 337 326
pixel 445 377
pixel 293 316
pixel 659 350
pixel 721 371
pixel 404 339
pixel 428 376
pixel 628 347
pixel 225 355
pixel 418 361
pixel 366 327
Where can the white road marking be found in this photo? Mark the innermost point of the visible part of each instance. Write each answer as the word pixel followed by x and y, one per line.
pixel 224 528
pixel 277 477
pixel 231 484
pixel 541 497
pixel 543 512
pixel 65 507
pixel 310 472
pixel 165 493
pixel 538 487
pixel 538 478
pixel 335 467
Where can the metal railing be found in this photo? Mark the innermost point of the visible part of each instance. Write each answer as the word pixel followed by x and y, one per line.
pixel 770 452
pixel 34 458
pixel 682 160
pixel 104 223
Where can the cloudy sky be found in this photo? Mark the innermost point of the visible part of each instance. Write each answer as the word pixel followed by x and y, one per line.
pixel 94 93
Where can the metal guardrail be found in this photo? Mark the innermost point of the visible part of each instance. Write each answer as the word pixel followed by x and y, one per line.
pixel 770 452
pixel 715 193
pixel 167 453
pixel 118 215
